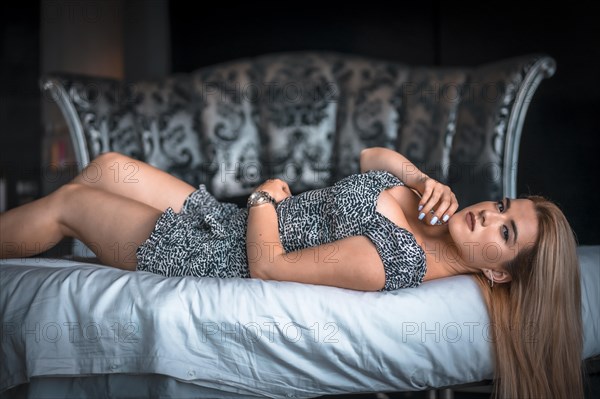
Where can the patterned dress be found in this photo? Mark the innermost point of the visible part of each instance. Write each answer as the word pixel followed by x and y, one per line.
pixel 208 238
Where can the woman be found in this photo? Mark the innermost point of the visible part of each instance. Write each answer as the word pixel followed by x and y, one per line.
pixel 389 227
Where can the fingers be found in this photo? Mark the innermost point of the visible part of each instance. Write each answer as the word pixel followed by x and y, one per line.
pixel 281 184
pixel 433 197
pixel 444 210
pixel 429 199
pixel 277 188
pixel 438 203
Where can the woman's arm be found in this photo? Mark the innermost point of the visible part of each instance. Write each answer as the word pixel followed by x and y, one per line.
pixel 352 262
pixel 380 158
pixel 262 231
pixel 435 196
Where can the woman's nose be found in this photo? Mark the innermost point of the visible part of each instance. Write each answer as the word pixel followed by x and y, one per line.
pixel 488 217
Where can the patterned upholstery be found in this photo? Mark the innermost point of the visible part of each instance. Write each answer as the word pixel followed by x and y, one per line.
pixel 305 117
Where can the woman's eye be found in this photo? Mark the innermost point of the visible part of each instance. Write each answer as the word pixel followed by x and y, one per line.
pixel 504 228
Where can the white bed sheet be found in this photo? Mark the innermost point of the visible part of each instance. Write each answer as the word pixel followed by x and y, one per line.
pixel 245 337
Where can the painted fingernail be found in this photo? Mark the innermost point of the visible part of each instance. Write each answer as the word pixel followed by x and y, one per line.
pixel 434 220
pixel 420 207
pixel 421 216
pixel 445 218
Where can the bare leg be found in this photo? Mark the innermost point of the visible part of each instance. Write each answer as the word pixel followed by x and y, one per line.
pixel 112 226
pixel 119 174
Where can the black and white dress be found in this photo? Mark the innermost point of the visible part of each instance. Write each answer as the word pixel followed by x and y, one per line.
pixel 208 238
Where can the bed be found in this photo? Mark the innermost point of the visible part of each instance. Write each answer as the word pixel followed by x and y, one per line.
pixel 74 328
pixel 130 333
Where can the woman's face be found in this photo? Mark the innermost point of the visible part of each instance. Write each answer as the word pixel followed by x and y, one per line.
pixel 489 234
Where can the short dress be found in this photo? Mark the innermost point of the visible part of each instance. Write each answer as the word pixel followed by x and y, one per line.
pixel 207 238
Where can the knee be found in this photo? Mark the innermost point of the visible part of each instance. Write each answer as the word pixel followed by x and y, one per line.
pixel 110 158
pixel 60 204
pixel 101 165
pixel 64 193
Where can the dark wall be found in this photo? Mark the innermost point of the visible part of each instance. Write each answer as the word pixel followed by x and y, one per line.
pixel 208 33
pixel 558 154
pixel 20 128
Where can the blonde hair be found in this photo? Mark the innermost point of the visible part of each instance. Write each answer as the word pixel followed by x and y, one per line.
pixel 536 318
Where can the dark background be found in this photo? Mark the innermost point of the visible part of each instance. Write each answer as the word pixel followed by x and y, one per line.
pixel 559 149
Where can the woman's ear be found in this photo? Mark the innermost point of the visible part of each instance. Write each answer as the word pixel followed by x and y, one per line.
pixel 501 277
pixel 498 276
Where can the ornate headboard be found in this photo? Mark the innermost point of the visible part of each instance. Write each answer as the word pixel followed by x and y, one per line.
pixel 305 116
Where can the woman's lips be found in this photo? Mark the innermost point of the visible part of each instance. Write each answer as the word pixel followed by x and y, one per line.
pixel 471 221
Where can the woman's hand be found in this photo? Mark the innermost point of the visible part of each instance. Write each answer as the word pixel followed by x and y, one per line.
pixel 438 203
pixel 277 188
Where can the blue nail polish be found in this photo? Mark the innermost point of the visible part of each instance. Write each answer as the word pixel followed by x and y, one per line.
pixel 420 207
pixel 434 220
pixel 445 218
pixel 421 216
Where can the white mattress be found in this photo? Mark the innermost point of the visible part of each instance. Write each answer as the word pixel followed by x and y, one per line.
pixel 246 337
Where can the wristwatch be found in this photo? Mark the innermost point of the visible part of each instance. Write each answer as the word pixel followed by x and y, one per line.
pixel 259 198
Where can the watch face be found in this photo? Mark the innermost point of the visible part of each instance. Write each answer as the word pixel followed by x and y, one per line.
pixel 261 199
pixel 254 196
pixel 258 198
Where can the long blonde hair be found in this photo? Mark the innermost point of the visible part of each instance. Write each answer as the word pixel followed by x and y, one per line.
pixel 536 318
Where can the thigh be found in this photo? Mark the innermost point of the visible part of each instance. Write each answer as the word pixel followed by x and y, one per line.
pixel 119 174
pixel 111 225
